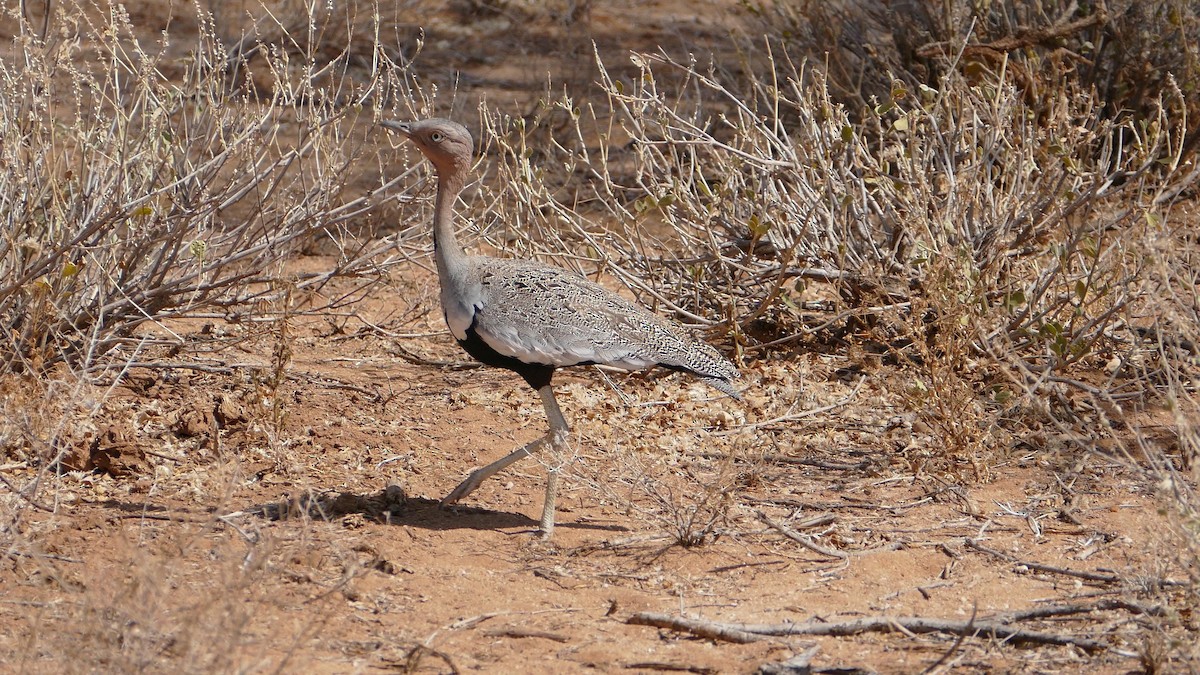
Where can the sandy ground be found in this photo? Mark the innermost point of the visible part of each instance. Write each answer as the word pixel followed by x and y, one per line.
pixel 251 527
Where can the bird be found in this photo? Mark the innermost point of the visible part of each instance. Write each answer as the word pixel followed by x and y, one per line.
pixel 533 318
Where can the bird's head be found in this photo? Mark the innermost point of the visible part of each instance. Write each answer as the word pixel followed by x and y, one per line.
pixel 447 144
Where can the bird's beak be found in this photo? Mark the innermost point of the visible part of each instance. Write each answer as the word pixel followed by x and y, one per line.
pixel 403 127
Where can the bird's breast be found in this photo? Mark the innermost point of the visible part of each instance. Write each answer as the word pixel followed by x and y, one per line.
pixel 459 315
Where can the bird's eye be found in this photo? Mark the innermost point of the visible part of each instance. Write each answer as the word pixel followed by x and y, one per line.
pixel 436 137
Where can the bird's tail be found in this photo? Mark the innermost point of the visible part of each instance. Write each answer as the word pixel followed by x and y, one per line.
pixel 722 385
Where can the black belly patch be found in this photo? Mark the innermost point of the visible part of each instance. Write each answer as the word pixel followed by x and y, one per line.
pixel 537 375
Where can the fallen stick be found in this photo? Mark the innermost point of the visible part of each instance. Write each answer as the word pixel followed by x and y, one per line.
pixel 779 458
pixel 697 627
pixel 1068 610
pixel 1090 576
pixel 668 667
pixel 1025 37
pixel 800 539
pixel 511 632
pixel 742 633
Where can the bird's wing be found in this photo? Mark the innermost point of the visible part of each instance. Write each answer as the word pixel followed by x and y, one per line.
pixel 541 314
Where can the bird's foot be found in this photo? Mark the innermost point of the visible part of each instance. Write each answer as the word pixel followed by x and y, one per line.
pixel 458 493
pixel 477 476
pixel 465 488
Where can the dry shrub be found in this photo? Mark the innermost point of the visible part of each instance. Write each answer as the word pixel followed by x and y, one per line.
pixel 1026 267
pixel 970 237
pixel 1124 50
pixel 135 197
pixel 290 44
pixel 1025 261
pixel 146 182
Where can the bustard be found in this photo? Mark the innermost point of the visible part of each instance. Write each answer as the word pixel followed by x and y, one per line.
pixel 532 318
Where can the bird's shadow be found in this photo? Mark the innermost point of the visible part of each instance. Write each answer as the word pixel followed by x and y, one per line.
pixel 392 506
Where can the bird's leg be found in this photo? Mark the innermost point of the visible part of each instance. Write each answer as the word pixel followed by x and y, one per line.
pixel 558 445
pixel 557 438
pixel 479 475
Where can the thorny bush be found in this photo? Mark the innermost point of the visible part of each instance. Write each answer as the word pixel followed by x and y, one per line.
pixel 135 193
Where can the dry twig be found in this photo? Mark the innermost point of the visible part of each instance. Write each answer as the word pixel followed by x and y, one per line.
pixel 737 632
pixel 799 538
pixel 514 632
pixel 697 627
pixel 1025 38
pixel 1051 569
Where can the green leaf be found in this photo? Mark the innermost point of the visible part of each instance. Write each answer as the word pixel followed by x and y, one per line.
pixel 1059 346
pixel 1079 350
pixel 1090 249
pixel 758 227
pixel 198 248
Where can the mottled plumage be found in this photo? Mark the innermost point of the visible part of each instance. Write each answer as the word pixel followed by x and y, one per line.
pixel 545 315
pixel 533 318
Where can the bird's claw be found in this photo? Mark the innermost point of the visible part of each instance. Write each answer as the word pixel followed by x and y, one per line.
pixel 464 488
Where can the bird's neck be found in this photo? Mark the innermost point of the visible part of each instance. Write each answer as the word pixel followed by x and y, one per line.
pixel 447 251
